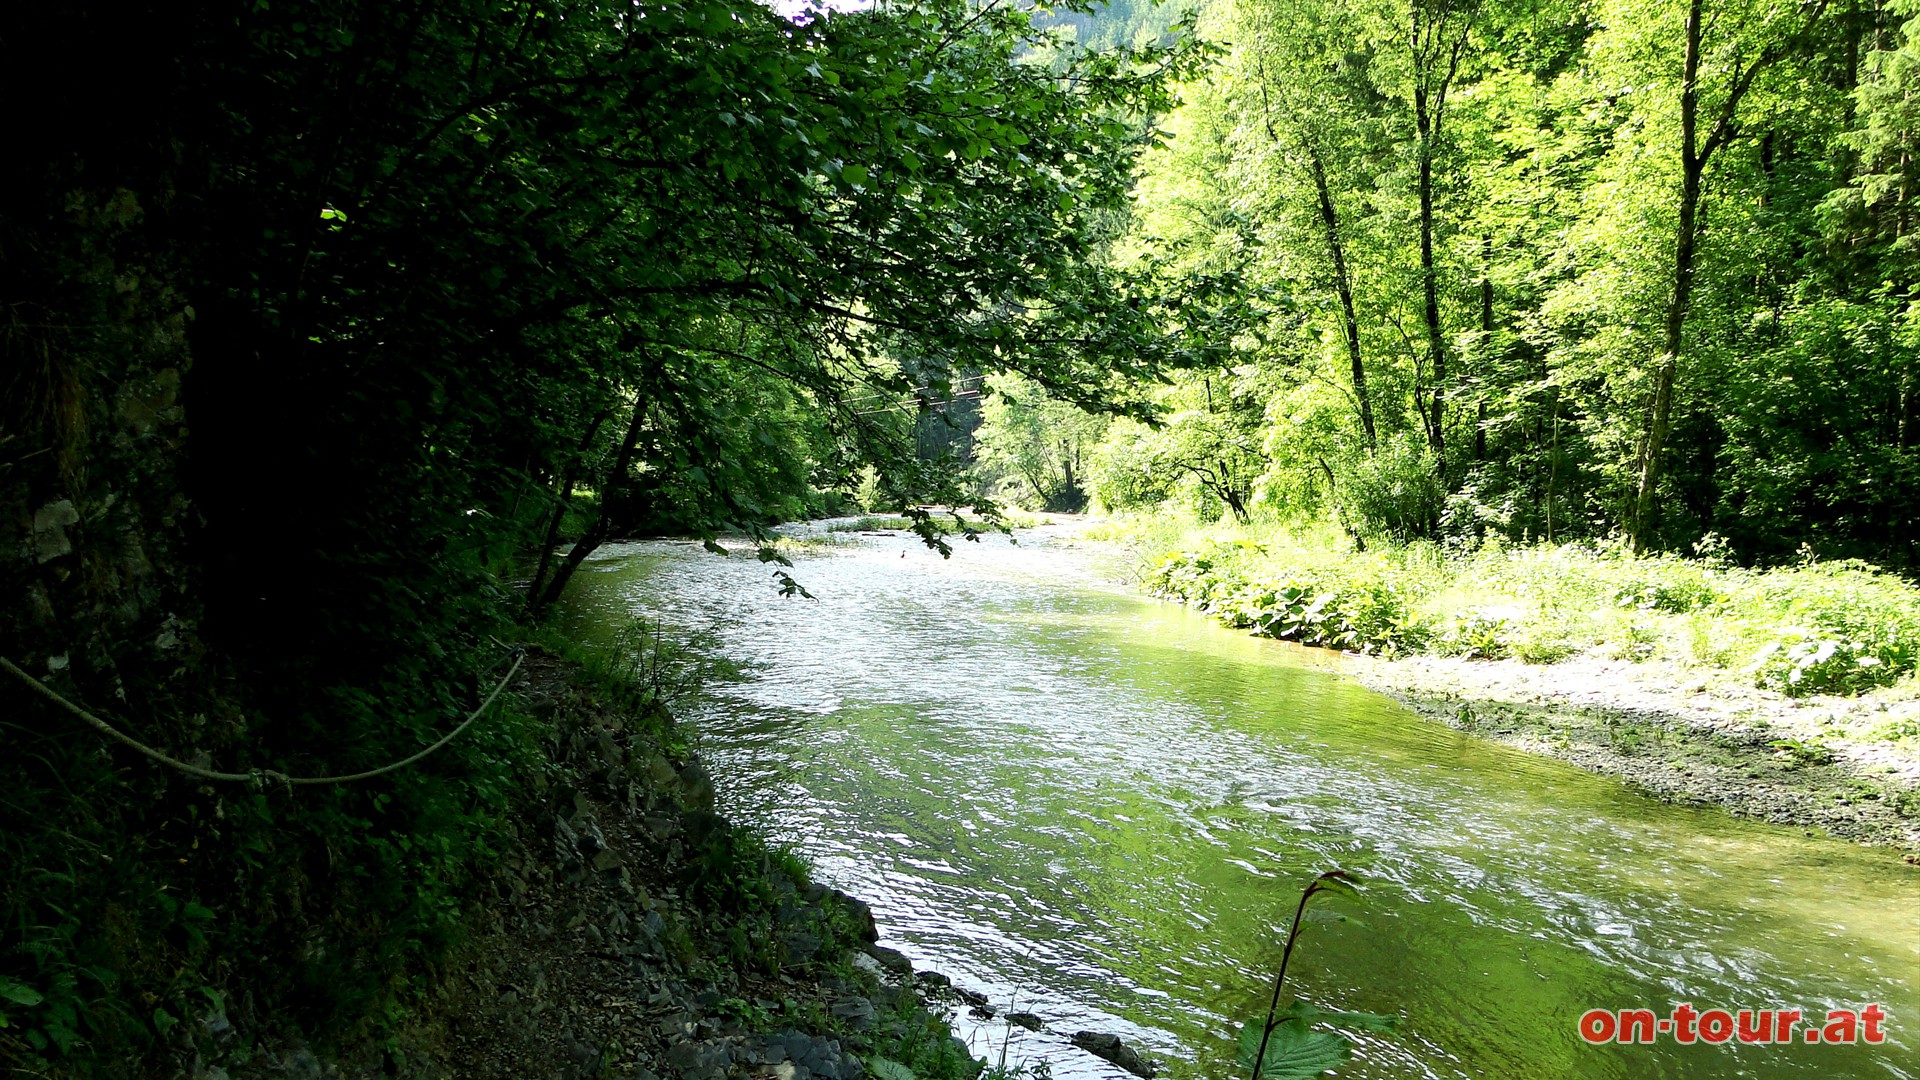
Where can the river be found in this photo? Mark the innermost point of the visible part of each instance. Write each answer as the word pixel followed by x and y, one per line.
pixel 1101 808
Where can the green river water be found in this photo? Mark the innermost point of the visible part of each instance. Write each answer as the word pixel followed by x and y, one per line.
pixel 1101 809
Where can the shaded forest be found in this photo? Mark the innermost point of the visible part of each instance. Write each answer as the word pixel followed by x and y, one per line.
pixel 324 321
pixel 335 334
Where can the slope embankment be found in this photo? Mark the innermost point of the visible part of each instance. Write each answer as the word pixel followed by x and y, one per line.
pixel 1787 694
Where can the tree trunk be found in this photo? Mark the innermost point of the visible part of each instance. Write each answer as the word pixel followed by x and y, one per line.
pixel 1437 39
pixel 1553 455
pixel 1692 165
pixel 1903 428
pixel 1430 289
pixel 1340 510
pixel 559 516
pixel 1486 335
pixel 1232 497
pixel 616 484
pixel 1343 285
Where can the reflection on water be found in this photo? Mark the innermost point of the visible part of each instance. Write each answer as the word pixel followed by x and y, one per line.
pixel 1101 809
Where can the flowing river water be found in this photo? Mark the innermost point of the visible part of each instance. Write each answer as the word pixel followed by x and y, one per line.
pixel 1101 809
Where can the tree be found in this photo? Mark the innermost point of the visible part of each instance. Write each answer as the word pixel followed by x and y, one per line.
pixel 1206 443
pixel 650 207
pixel 1617 267
pixel 1285 45
pixel 1037 446
pixel 1766 45
pixel 311 343
pixel 1437 36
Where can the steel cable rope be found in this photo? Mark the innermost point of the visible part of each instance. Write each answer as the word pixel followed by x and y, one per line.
pixel 917 403
pixel 256 777
pixel 912 390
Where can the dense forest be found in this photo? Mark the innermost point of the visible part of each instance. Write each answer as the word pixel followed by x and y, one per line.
pixel 1106 25
pixel 335 334
pixel 1541 271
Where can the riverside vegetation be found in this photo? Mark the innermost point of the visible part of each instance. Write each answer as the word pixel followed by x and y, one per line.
pixel 1819 628
pixel 318 319
pixel 1801 676
pixel 621 928
pixel 635 932
pixel 336 335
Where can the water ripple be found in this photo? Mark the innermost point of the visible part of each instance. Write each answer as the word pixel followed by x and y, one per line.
pixel 1103 809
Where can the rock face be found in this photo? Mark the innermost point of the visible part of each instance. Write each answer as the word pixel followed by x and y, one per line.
pixel 98 590
pixel 861 914
pixel 99 578
pixel 1115 1049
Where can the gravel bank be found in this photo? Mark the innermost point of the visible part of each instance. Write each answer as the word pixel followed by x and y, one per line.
pixel 1821 762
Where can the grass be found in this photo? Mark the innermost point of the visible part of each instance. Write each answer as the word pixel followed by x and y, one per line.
pixel 868 523
pixel 1842 628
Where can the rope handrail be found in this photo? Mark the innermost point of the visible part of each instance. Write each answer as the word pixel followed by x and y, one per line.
pixel 256 776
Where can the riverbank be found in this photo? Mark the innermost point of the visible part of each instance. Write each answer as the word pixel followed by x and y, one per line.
pixel 1696 682
pixel 1096 809
pixel 1680 738
pixel 633 933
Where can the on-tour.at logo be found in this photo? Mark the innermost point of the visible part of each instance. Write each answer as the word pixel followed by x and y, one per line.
pixel 1685 1025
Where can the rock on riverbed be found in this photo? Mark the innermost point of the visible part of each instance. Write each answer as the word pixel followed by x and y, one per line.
pixel 1115 1049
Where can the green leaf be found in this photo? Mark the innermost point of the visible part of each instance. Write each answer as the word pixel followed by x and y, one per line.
pixel 790 587
pixel 1324 915
pixel 19 993
pixel 889 1070
pixel 1341 881
pixel 1308 1013
pixel 1294 1052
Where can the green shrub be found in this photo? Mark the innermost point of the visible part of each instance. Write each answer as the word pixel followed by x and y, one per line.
pixel 1657 594
pixel 1394 492
pixel 1540 644
pixel 1810 661
pixel 1479 635
pixel 1840 627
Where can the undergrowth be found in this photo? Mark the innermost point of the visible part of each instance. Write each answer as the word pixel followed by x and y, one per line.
pixel 1841 627
pixel 758 919
pixel 148 918
pixel 132 941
